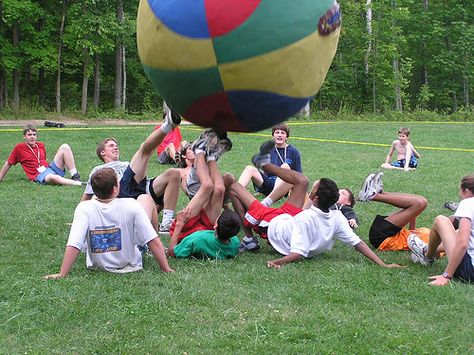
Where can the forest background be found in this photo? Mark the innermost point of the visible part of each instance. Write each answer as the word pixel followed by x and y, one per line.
pixel 405 59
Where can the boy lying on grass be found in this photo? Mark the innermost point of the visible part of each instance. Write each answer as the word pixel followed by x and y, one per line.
pixel 109 229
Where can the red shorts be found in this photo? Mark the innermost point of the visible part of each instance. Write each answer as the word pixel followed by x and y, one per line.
pixel 199 223
pixel 260 215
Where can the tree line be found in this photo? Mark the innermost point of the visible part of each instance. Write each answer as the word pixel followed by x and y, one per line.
pixel 81 55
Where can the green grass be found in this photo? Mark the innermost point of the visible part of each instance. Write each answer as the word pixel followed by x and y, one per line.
pixel 336 303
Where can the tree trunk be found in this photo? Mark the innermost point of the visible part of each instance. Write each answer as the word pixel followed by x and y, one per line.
pixel 41 95
pixel 368 17
pixel 85 80
pixel 124 75
pixel 16 72
pixel 97 81
pixel 2 88
pixel 425 68
pixel 119 59
pixel 60 48
pixel 398 91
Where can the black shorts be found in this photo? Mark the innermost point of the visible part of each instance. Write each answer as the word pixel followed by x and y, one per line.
pixel 381 229
pixel 267 185
pixel 159 200
pixel 465 270
pixel 129 187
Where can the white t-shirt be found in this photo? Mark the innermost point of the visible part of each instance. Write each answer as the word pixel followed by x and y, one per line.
pixel 466 209
pixel 110 233
pixel 310 232
pixel 118 166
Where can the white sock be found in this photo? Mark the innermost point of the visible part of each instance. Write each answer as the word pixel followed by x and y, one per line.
pixel 210 157
pixel 166 127
pixel 267 201
pixel 167 217
pixel 78 183
pixel 248 238
pixel 199 151
pixel 73 171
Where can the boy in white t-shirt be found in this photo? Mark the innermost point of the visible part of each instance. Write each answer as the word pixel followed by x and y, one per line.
pixel 109 230
pixel 305 233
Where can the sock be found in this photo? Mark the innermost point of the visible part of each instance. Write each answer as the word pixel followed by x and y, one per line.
pixel 248 238
pixel 73 171
pixel 267 201
pixel 210 157
pixel 166 127
pixel 167 217
pixel 199 151
pixel 78 183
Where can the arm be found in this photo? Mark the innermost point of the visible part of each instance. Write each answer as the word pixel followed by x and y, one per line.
pixel 158 252
pixel 388 159
pixel 4 170
pixel 86 197
pixel 415 152
pixel 181 218
pixel 408 154
pixel 459 249
pixel 362 248
pixel 70 256
pixel 278 263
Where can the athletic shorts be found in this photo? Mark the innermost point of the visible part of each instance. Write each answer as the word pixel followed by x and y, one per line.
pixel 199 223
pixel 381 229
pixel 260 215
pixel 159 200
pixel 129 187
pixel 164 158
pixel 267 185
pixel 401 163
pixel 465 270
pixel 51 169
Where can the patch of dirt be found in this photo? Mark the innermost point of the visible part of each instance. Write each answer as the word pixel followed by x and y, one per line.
pixel 81 123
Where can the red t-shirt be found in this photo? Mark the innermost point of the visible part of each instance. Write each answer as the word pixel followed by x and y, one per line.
pixel 174 136
pixel 30 158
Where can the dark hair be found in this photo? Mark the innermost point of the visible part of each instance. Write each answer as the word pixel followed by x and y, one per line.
pixel 228 225
pixel 352 200
pixel 405 131
pixel 282 127
pixel 103 181
pixel 101 147
pixel 182 155
pixel 328 193
pixel 29 127
pixel 467 182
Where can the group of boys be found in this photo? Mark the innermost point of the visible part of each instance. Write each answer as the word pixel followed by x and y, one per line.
pixel 111 225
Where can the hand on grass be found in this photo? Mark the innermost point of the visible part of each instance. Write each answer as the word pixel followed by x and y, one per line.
pixel 353 223
pixel 52 277
pixel 273 265
pixel 438 280
pixel 394 266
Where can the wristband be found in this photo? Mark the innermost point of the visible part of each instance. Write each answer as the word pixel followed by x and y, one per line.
pixel 446 276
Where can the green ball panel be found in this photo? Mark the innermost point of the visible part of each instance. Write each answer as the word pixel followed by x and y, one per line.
pixel 182 88
pixel 273 25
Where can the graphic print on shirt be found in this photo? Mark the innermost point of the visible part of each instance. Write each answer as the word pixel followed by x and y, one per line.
pixel 105 239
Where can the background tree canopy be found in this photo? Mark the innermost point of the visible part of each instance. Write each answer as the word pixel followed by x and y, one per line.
pixel 397 55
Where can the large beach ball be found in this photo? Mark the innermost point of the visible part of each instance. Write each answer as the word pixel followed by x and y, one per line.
pixel 237 65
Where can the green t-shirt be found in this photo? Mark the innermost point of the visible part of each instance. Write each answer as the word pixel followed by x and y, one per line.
pixel 205 244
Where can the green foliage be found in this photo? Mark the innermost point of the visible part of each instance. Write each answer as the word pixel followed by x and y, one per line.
pixel 336 303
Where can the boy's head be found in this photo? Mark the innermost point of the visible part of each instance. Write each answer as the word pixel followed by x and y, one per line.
pixel 346 197
pixel 185 153
pixel 467 183
pixel 327 194
pixel 228 225
pixel 103 182
pixel 30 134
pixel 405 131
pixel 108 148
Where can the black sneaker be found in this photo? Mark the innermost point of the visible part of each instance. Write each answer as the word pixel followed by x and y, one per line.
pixel 76 177
pixel 451 205
pixel 263 157
pixel 249 244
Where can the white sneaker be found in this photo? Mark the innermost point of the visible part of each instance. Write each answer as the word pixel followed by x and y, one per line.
pixel 418 248
pixel 367 190
pixel 378 183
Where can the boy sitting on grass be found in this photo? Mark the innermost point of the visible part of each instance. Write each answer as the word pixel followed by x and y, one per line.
pixel 110 229
pixel 294 233
pixel 407 156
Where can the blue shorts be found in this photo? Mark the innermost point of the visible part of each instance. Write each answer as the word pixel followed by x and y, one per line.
pixel 465 270
pixel 267 186
pixel 401 163
pixel 129 187
pixel 51 169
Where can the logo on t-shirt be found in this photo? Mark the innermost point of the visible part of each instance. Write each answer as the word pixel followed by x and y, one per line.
pixel 105 240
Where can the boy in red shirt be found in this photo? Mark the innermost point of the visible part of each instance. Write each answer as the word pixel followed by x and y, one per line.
pixel 31 154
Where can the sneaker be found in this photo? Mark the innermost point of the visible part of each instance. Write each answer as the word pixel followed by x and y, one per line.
pixel 76 177
pixel 164 230
pixel 172 118
pixel 451 205
pixel 207 141
pixel 378 183
pixel 224 146
pixel 262 158
pixel 418 248
pixel 367 190
pixel 249 244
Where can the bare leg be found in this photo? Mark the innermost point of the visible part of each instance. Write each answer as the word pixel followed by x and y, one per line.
pixel 53 179
pixel 241 200
pixel 249 174
pixel 64 158
pixel 167 184
pixel 213 207
pixel 150 209
pixel 442 231
pixel 412 206
pixel 171 151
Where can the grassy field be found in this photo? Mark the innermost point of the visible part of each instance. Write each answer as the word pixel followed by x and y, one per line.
pixel 336 303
